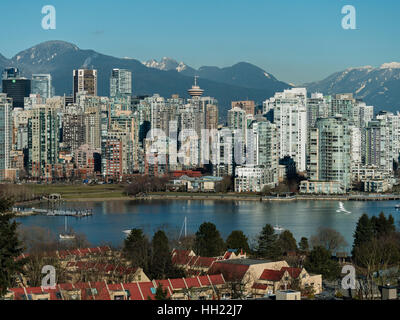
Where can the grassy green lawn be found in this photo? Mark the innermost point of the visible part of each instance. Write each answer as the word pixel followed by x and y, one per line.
pixel 80 191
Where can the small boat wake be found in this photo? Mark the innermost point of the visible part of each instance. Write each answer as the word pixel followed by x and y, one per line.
pixel 342 209
pixel 278 228
pixel 127 232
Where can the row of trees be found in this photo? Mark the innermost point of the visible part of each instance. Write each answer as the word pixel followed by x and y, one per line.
pixel 144 184
pixel 271 245
pixel 18 192
pixel 376 249
pixel 154 256
pixel 10 247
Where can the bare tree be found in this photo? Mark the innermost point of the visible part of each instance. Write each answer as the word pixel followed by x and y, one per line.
pixel 329 238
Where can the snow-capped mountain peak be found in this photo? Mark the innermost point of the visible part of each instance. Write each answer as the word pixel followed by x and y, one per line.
pixel 390 65
pixel 165 64
pixel 377 86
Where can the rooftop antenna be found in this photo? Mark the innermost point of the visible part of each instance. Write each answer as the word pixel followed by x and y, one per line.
pixel 195 80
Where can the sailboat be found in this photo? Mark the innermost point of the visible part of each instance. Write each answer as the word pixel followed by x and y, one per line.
pixel 65 235
pixel 183 230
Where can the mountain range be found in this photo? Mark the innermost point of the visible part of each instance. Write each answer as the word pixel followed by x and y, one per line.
pixel 60 58
pixel 379 86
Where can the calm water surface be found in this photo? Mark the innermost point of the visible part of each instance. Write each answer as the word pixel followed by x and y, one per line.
pixel 302 218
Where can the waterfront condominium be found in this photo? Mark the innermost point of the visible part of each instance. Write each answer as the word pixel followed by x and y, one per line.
pixel 289 113
pixel 377 150
pixel 330 157
pixel 237 123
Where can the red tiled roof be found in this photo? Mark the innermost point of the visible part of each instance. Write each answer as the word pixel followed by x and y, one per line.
pixel 230 271
pixel 217 279
pixel 204 280
pixel 76 252
pixel 181 257
pixel 204 262
pixel 136 290
pixel 189 173
pixel 227 255
pixel 103 267
pixel 145 287
pixel 260 286
pixel 192 282
pixel 133 290
pixel 272 275
pixel 178 283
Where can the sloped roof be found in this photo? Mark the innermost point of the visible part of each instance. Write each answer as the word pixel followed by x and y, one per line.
pixel 136 290
pixel 230 271
pixel 272 275
pixel 294 272
pixel 259 286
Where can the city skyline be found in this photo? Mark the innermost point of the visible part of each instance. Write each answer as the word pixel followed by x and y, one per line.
pixel 211 33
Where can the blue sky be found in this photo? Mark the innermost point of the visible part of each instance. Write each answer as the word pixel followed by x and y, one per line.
pixel 296 40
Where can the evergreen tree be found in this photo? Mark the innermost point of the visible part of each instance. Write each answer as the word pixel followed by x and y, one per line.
pixel 161 294
pixel 364 231
pixel 383 227
pixel 267 246
pixel 208 241
pixel 137 249
pixel 320 261
pixel 10 248
pixel 303 244
pixel 287 242
pixel 237 240
pixel 161 261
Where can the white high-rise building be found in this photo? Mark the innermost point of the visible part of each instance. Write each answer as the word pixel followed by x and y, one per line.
pixel 356 145
pixel 289 110
pixel 6 127
pixel 317 107
pixel 362 114
pixel 330 158
pixel 237 123
pixel 392 123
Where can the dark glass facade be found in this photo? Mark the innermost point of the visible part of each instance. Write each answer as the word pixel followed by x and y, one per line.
pixel 17 89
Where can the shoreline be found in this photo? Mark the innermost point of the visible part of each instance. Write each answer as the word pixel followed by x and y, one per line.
pixel 230 197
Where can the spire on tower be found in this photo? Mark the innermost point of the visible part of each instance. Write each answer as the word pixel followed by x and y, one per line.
pixel 195 91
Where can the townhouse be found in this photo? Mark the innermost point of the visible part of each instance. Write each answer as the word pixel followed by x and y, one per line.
pixel 202 288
